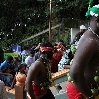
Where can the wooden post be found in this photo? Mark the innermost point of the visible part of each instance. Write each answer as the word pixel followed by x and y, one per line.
pixel 50 20
pixel 20 92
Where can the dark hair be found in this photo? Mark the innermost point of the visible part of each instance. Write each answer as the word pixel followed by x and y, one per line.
pixel 47 53
pixel 46 44
pixel 9 58
pixel 21 66
pixel 61 41
pixel 25 47
pixel 32 51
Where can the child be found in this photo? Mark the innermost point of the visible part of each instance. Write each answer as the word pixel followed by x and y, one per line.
pixel 20 76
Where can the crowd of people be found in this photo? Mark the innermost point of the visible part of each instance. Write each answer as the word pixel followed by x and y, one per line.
pixel 33 67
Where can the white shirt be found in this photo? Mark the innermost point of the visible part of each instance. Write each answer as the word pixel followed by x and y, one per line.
pixel 25 52
pixel 29 60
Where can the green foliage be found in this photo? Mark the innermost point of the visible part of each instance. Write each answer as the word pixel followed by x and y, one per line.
pixel 73 49
pixel 20 19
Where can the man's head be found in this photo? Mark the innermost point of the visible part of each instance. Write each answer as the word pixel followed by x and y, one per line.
pixel 9 59
pixel 32 52
pixel 82 28
pixel 47 49
pixel 94 14
pixel 22 67
pixel 16 60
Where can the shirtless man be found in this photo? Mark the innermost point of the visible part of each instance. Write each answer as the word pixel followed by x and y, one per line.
pixel 39 75
pixel 86 62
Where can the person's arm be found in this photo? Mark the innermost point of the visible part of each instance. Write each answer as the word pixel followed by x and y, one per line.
pixel 13 83
pixel 67 66
pixel 81 59
pixel 26 61
pixel 32 73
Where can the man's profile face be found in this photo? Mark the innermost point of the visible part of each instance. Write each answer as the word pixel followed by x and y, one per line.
pixel 82 30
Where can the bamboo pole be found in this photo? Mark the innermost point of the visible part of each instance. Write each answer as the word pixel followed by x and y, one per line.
pixel 50 20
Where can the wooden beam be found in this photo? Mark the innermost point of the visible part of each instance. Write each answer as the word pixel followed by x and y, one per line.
pixel 40 33
pixel 20 92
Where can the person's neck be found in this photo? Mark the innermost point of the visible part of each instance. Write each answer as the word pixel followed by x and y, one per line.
pixel 95 29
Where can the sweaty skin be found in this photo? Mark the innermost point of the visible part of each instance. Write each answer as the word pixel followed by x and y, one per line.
pixel 85 62
pixel 37 73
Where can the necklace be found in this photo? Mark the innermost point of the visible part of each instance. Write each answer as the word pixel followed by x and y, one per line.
pixel 48 71
pixel 90 29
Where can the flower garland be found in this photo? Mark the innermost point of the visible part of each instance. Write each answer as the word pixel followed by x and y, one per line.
pixel 46 85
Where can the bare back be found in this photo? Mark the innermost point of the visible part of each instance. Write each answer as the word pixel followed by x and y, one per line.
pixel 88 51
pixel 42 74
pixel 39 72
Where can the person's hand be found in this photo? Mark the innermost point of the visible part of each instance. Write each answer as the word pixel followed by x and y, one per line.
pixel 91 97
pixel 29 97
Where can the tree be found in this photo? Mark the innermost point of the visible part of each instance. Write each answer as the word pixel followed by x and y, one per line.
pixel 20 19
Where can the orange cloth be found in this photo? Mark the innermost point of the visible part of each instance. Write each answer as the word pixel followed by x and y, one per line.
pixel 42 49
pixel 61 47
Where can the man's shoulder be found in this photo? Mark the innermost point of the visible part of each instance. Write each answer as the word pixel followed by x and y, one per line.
pixel 87 42
pixel 37 65
pixel 87 38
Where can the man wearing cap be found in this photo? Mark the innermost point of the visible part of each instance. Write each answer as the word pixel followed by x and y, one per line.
pixel 39 75
pixel 84 72
pixel 79 34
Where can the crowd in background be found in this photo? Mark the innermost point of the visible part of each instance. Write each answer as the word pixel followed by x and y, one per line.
pixel 62 56
pixel 12 65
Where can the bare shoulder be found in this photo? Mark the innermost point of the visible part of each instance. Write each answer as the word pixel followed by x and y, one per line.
pixel 37 65
pixel 88 40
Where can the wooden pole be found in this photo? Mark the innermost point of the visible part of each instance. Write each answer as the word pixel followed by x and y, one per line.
pixel 50 20
pixel 20 92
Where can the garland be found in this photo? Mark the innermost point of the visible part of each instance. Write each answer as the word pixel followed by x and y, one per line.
pixel 93 87
pixel 46 85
